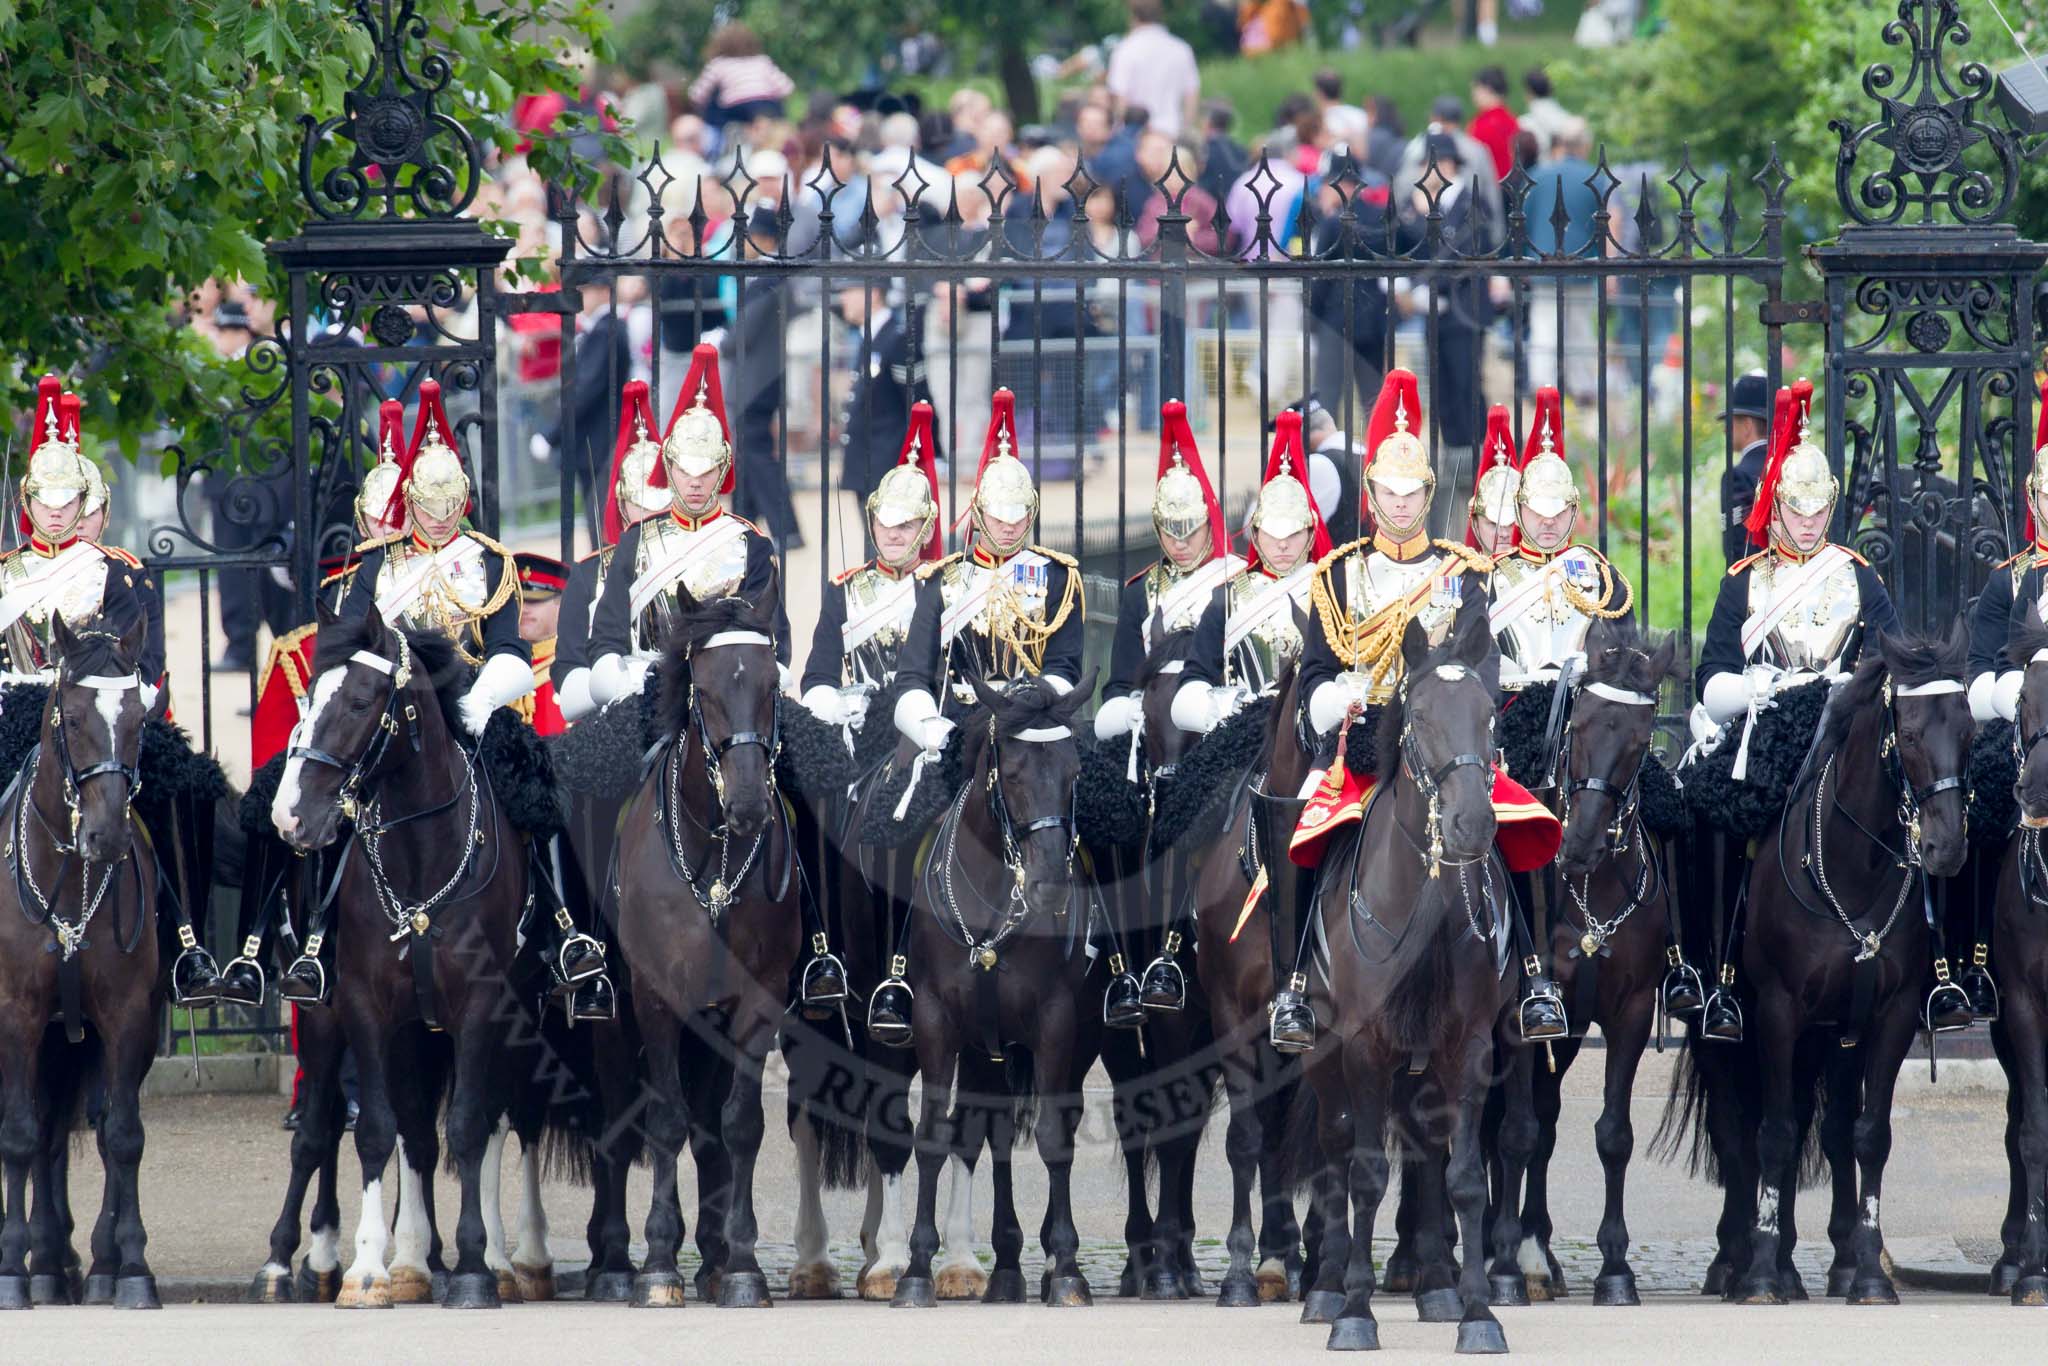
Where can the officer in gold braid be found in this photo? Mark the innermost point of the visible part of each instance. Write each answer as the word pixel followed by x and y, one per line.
pixel 1364 596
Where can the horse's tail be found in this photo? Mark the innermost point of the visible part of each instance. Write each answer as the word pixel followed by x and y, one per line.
pixel 988 1087
pixel 572 1112
pixel 1682 1130
pixel 1300 1147
pixel 829 1090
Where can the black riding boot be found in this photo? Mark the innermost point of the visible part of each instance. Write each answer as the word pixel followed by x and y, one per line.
pixel 195 978
pixel 1123 1003
pixel 1290 892
pixel 1948 1005
pixel 1977 984
pixel 1721 1020
pixel 890 1006
pixel 1540 1012
pixel 823 985
pixel 1684 994
pixel 1165 987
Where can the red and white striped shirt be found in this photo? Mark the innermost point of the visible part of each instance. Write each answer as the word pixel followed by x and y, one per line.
pixel 730 81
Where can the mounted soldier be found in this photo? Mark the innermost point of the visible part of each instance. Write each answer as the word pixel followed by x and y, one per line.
pixel 1490 514
pixel 281 693
pixel 1365 595
pixel 1547 591
pixel 1194 565
pixel 1791 620
pixel 92 526
pixel 631 498
pixel 1003 611
pixel 441 576
pixel 863 624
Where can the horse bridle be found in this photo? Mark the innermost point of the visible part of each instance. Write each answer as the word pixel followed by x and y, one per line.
pixel 723 889
pixel 355 771
pixel 1429 782
pixel 75 778
pixel 1627 798
pixel 1012 834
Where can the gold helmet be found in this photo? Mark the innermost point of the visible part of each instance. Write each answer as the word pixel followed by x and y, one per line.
pixel 909 490
pixel 1003 490
pixel 379 491
pixel 56 471
pixel 1806 481
pixel 1284 507
pixel 1182 502
pixel 71 425
pixel 1493 492
pixel 636 456
pixel 1547 487
pixel 697 441
pixel 636 470
pixel 435 484
pixel 1396 459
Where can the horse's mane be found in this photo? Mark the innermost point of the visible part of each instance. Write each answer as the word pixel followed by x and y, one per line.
pixel 1620 655
pixel 2029 634
pixel 1167 647
pixel 694 624
pixel 434 658
pixel 1913 660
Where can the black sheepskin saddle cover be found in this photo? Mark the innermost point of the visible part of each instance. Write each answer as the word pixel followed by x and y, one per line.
pixel 1210 775
pixel 1777 750
pixel 1520 732
pixel 173 772
pixel 1994 813
pixel 607 752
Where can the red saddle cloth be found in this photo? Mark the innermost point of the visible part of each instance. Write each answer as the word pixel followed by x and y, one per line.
pixel 1528 833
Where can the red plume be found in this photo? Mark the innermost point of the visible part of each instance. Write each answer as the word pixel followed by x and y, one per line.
pixel 633 403
pixel 2040 441
pixel 68 409
pixel 1499 441
pixel 432 417
pixel 49 395
pixel 1289 457
pixel 1002 420
pixel 1549 418
pixel 703 374
pixel 391 430
pixel 920 447
pixel 1176 435
pixel 1784 431
pixel 1399 393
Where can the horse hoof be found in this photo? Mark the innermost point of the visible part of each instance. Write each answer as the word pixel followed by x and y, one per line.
pixel 707 1285
pixel 1321 1306
pixel 1005 1286
pixel 51 1287
pixel 14 1293
pixel 963 1281
pixel 411 1285
pixel 744 1290
pixel 1192 1284
pixel 475 1290
pixel 1481 1336
pixel 657 1290
pixel 1238 1292
pixel 1354 1335
pixel 915 1292
pixel 268 1287
pixel 536 1283
pixel 1274 1285
pixel 817 1281
pixel 1792 1286
pixel 1068 1292
pixel 136 1292
pixel 1768 1290
pixel 1618 1289
pixel 609 1287
pixel 1510 1289
pixel 2029 1290
pixel 1719 1277
pixel 1873 1290
pixel 1162 1284
pixel 99 1288
pixel 508 1286
pixel 878 1282
pixel 1538 1289
pixel 1439 1306
pixel 1398 1281
pixel 363 1292
pixel 2004 1276
pixel 317 1287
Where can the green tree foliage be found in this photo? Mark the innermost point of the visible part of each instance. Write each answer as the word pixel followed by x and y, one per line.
pixel 146 145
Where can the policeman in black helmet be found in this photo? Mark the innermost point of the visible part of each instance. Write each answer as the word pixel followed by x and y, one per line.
pixel 1748 416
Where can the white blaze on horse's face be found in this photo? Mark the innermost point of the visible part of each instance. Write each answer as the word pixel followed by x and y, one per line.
pixel 284 808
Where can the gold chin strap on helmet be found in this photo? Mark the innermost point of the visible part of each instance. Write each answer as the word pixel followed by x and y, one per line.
pixel 904 496
pixel 1806 486
pixel 696 444
pixel 56 473
pixel 1005 493
pixel 1179 509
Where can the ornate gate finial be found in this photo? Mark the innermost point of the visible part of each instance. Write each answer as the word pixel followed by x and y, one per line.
pixel 390 119
pixel 1928 121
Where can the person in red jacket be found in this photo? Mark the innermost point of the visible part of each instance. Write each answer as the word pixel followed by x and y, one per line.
pixel 1494 124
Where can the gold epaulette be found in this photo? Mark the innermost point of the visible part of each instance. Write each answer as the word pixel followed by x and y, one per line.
pixel 508 581
pixel 126 557
pixel 843 575
pixel 1363 542
pixel 347 571
pixel 1851 552
pixel 379 542
pixel 925 571
pixel 1465 555
pixel 1745 562
pixel 1068 560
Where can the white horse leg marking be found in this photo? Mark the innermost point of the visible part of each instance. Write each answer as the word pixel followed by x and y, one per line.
pixel 323 1251
pixel 1767 1209
pixel 1532 1261
pixel 1870 1211
pixel 284 807
pixel 366 1284
pixel 412 1237
pixel 959 1269
pixel 813 1276
pixel 891 1256
pixel 494 1217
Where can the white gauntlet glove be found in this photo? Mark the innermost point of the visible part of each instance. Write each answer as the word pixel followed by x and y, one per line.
pixel 503 678
pixel 1195 709
pixel 824 703
pixel 1330 701
pixel 1119 716
pixel 2005 694
pixel 573 697
pixel 1725 696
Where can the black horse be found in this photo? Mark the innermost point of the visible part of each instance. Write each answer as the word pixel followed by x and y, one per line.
pixel 709 929
pixel 997 937
pixel 1415 937
pixel 1610 945
pixel 78 946
pixel 2020 945
pixel 431 888
pixel 1838 947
